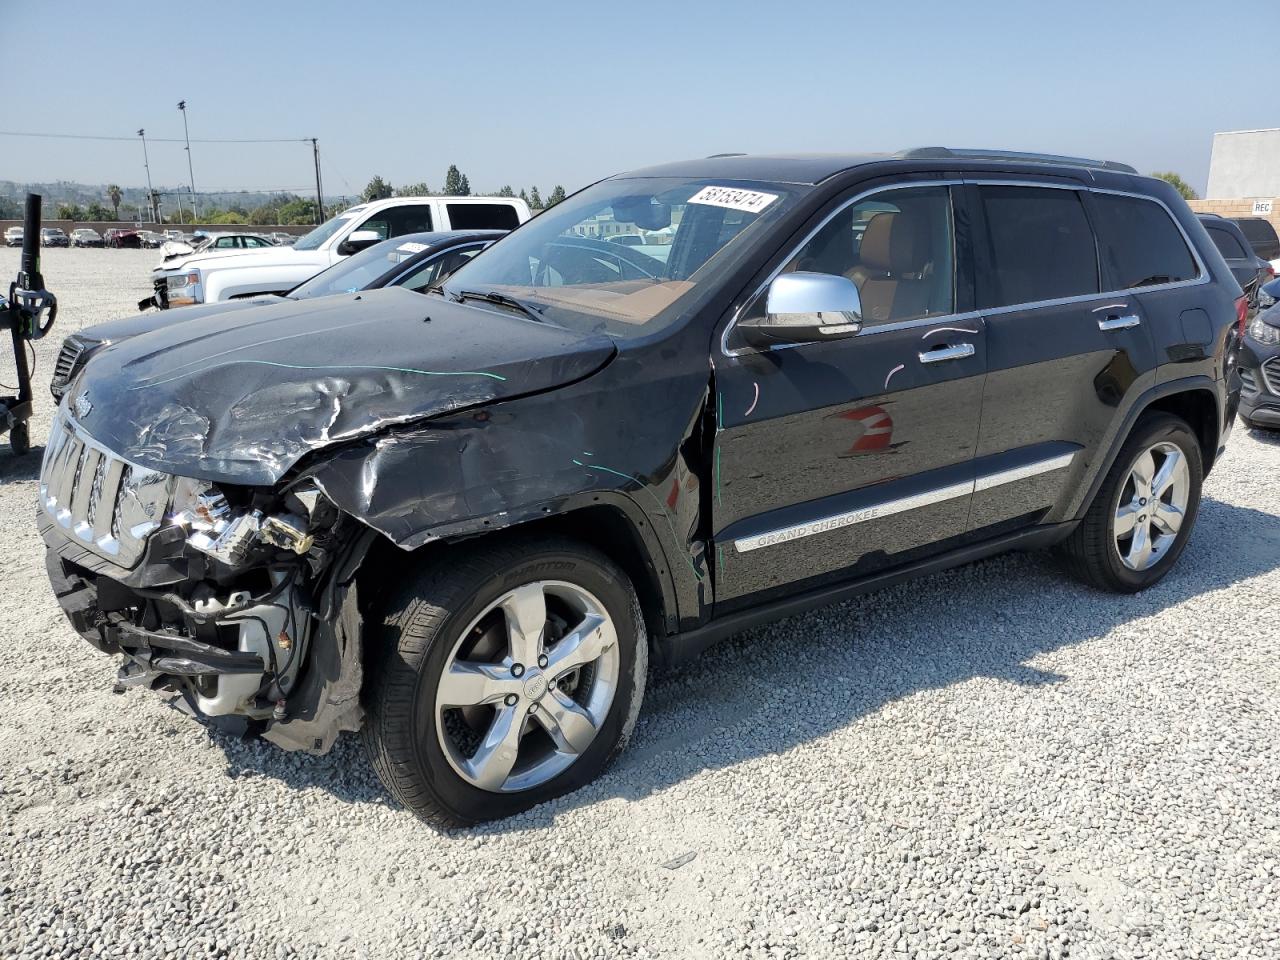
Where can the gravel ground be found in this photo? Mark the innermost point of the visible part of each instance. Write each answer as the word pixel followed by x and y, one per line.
pixel 992 762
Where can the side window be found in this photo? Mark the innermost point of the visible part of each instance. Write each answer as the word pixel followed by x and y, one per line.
pixel 397 221
pixel 1041 246
pixel 1140 243
pixel 253 243
pixel 482 216
pixel 898 246
pixel 438 269
pixel 1226 243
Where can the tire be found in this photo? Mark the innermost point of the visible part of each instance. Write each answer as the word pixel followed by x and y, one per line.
pixel 1093 553
pixel 20 439
pixel 445 616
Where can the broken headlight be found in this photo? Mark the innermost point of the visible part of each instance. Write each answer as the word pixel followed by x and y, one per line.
pixel 216 528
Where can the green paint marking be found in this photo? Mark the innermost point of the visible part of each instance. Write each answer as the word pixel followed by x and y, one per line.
pixel 718 475
pixel 720 558
pixel 340 366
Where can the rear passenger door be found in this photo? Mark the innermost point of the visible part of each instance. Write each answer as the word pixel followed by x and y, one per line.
pixel 1061 352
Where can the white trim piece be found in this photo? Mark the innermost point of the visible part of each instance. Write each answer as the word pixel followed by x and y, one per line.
pixel 889 507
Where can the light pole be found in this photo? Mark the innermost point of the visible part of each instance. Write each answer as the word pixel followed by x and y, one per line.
pixel 151 195
pixel 182 106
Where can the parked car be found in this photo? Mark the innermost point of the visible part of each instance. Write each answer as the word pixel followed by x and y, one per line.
pixel 1249 270
pixel 122 238
pixel 215 275
pixel 284 239
pixel 1262 237
pixel 415 261
pixel 211 242
pixel 13 237
pixel 84 237
pixel 464 522
pixel 1260 363
pixel 151 240
pixel 53 237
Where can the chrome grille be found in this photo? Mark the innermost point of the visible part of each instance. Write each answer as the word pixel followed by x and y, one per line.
pixel 1271 375
pixel 106 503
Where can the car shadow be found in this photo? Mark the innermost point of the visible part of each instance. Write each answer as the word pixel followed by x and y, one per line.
pixel 1270 437
pixel 15 469
pixel 996 616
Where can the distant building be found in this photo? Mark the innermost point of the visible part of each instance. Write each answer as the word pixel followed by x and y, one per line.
pixel 1244 175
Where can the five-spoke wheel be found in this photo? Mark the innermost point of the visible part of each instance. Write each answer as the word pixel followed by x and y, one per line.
pixel 1152 506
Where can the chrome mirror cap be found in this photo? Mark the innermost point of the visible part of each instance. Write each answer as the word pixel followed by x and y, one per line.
pixel 802 307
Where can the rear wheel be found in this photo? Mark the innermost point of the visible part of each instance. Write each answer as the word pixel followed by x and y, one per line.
pixel 1143 513
pixel 508 677
pixel 20 438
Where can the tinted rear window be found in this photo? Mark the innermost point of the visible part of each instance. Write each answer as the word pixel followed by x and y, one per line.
pixel 1140 243
pixel 1041 246
pixel 483 216
pixel 1226 243
pixel 1262 236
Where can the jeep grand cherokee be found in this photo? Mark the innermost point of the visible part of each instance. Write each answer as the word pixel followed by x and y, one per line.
pixel 463 523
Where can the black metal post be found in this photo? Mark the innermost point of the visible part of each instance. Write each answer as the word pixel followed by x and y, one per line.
pixel 315 149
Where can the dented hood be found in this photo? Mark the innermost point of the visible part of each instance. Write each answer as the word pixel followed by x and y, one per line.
pixel 242 396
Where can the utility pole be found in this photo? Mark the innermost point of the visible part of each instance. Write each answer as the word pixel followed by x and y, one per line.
pixel 182 106
pixel 151 194
pixel 315 150
pixel 182 216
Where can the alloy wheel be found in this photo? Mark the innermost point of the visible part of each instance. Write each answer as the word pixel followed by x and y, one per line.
pixel 527 687
pixel 1152 506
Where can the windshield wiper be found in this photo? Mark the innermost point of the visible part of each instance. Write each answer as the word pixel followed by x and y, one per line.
pixel 502 300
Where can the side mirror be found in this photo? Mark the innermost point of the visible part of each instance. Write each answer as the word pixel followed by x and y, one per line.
pixel 804 307
pixel 358 240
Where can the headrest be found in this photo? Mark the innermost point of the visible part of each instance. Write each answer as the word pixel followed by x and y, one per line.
pixel 892 244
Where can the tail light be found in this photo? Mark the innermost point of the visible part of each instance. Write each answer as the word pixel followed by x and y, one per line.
pixel 1242 314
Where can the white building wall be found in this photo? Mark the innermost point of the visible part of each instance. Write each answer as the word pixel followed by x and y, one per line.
pixel 1244 163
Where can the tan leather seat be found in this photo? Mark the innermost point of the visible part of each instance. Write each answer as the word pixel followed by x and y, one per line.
pixel 892 267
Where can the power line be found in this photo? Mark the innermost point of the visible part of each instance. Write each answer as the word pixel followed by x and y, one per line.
pixel 86 136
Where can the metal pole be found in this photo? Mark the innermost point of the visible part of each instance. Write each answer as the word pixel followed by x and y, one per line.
pixel 315 149
pixel 147 165
pixel 182 105
pixel 182 217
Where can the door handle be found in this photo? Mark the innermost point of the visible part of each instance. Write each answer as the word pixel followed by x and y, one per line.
pixel 1119 323
pixel 955 352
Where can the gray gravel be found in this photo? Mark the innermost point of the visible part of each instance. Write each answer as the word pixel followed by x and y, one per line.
pixel 992 762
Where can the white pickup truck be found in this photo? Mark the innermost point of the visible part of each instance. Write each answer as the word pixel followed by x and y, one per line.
pixel 212 276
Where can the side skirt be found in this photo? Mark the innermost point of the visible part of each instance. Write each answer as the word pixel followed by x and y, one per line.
pixel 679 649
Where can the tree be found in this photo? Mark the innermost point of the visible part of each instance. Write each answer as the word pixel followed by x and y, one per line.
pixel 555 196
pixel 70 211
pixel 114 196
pixel 535 199
pixel 455 184
pixel 1183 188
pixel 524 196
pixel 419 189
pixel 506 191
pixel 376 189
pixel 97 212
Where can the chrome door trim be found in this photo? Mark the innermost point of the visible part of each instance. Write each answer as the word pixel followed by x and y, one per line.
pixel 1027 470
pixel 1202 272
pixel 888 508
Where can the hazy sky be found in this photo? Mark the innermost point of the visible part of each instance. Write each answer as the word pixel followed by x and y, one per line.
pixel 567 92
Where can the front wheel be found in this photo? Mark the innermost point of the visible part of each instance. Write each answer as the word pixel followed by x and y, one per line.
pixel 1143 513
pixel 507 676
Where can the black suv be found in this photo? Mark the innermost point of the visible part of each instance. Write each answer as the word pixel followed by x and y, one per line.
pixel 465 522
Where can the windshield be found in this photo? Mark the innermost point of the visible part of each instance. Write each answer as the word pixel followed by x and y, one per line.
pixel 313 240
pixel 569 265
pixel 358 270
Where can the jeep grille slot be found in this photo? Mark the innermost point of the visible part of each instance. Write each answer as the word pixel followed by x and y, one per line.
pixel 65 365
pixel 104 502
pixel 1271 375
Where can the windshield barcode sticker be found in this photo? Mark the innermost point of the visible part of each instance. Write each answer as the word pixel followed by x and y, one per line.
pixel 412 247
pixel 751 201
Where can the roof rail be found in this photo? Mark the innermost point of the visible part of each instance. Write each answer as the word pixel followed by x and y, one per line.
pixel 947 153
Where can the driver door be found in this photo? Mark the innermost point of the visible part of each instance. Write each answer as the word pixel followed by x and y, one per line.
pixel 837 459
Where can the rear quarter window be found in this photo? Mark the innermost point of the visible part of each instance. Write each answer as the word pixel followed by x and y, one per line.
pixel 1226 243
pixel 482 216
pixel 1140 244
